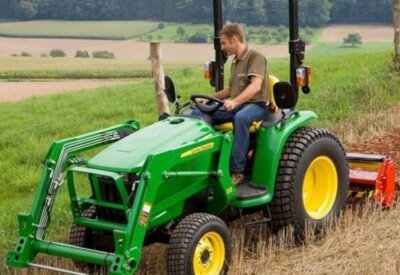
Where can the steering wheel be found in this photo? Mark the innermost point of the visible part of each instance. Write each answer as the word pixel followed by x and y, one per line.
pixel 210 107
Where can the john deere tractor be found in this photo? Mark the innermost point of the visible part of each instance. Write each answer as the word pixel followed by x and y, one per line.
pixel 170 182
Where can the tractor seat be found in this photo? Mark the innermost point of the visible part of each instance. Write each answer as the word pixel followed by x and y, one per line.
pixel 253 128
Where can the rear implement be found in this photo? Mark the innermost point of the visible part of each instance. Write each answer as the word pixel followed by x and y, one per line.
pixel 372 176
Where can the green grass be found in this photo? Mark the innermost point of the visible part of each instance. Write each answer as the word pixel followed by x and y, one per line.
pixel 77 29
pixel 347 84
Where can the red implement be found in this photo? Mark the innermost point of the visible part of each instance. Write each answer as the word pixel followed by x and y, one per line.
pixel 372 175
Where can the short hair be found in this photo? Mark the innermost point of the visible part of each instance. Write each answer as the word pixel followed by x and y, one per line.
pixel 233 29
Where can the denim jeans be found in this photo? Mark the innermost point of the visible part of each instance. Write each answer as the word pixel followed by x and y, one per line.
pixel 241 117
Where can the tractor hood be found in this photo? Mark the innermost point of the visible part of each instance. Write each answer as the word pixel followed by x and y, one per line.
pixel 129 154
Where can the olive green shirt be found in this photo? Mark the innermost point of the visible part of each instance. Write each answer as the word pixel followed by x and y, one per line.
pixel 249 63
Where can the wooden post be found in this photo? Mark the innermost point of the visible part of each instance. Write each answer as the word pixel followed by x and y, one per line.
pixel 396 24
pixel 158 79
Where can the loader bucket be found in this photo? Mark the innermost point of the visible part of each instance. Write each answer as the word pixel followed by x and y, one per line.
pixel 372 176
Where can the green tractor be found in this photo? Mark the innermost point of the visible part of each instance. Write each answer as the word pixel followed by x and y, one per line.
pixel 170 182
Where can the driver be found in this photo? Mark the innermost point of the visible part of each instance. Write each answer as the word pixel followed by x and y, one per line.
pixel 246 96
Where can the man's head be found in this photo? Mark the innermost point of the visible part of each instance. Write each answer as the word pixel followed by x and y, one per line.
pixel 232 38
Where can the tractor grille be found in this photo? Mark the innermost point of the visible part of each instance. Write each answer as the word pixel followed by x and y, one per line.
pixel 109 193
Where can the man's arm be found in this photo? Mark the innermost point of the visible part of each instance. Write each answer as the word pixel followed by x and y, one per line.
pixel 253 88
pixel 223 94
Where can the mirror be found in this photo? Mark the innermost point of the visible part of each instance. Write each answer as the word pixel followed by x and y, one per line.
pixel 169 89
pixel 284 95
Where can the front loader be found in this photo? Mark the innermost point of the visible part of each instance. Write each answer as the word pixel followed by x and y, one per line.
pixel 170 183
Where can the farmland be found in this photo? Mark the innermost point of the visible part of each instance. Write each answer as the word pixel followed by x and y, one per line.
pixel 354 93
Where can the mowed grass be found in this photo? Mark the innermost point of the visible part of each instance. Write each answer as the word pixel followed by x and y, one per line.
pixel 348 86
pixel 77 29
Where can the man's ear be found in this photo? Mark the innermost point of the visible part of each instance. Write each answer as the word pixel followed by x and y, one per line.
pixel 234 39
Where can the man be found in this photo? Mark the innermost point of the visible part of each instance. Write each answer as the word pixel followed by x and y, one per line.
pixel 246 95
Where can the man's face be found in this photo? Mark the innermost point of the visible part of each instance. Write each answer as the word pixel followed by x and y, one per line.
pixel 228 46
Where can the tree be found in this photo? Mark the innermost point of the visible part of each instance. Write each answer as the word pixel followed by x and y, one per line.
pixel 277 12
pixel 314 13
pixel 5 8
pixel 396 23
pixel 25 10
pixel 353 39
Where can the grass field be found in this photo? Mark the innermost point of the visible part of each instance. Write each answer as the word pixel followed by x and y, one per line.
pixel 77 29
pixel 353 87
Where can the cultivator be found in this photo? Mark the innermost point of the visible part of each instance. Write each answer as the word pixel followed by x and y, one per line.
pixel 372 176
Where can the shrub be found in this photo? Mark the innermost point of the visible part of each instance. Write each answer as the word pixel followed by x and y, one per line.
pixel 199 37
pixel 57 53
pixel 43 55
pixel 180 31
pixel 103 54
pixel 26 54
pixel 82 54
pixel 309 31
pixel 352 38
pixel 264 38
pixel 161 25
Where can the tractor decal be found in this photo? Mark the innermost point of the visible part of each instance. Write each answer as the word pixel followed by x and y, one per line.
pixel 197 150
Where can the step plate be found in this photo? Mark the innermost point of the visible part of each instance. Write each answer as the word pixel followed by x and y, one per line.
pixel 248 190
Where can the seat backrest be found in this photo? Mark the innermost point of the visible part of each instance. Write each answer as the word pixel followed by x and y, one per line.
pixel 271 82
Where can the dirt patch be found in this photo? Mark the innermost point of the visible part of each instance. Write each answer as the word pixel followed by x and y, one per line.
pixel 14 91
pixel 369 33
pixel 387 144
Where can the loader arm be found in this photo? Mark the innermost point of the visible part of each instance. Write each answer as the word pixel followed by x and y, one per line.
pixel 59 158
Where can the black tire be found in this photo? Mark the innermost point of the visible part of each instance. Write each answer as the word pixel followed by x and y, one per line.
pixel 200 244
pixel 311 183
pixel 83 237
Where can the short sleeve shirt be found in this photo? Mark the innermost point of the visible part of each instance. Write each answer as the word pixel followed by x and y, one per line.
pixel 249 63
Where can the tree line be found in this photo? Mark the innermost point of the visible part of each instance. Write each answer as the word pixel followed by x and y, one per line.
pixel 312 13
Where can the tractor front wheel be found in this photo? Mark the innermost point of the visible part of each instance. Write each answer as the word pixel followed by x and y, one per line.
pixel 83 237
pixel 200 244
pixel 312 181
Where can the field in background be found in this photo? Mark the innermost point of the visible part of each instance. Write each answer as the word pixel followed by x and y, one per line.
pixel 77 29
pixel 138 30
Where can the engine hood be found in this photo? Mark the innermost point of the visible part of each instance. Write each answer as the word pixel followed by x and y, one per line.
pixel 129 154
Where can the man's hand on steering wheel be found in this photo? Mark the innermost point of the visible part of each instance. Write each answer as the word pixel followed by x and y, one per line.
pixel 207 104
pixel 229 105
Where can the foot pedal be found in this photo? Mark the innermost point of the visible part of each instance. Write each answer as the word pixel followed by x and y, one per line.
pixel 249 190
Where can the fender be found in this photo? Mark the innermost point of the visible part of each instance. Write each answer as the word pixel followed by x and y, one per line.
pixel 271 141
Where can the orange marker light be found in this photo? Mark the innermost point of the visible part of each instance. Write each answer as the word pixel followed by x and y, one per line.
pixel 303 76
pixel 208 70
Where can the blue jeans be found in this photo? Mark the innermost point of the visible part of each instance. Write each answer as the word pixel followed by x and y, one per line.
pixel 241 117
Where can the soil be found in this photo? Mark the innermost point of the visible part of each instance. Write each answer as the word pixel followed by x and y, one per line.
pixel 387 144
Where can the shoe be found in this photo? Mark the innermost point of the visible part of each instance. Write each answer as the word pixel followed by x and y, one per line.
pixel 237 178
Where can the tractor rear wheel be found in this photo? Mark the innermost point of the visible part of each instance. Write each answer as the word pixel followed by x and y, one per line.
pixel 83 237
pixel 311 183
pixel 200 244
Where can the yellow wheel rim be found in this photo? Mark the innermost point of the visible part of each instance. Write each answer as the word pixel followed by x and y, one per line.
pixel 209 255
pixel 320 187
